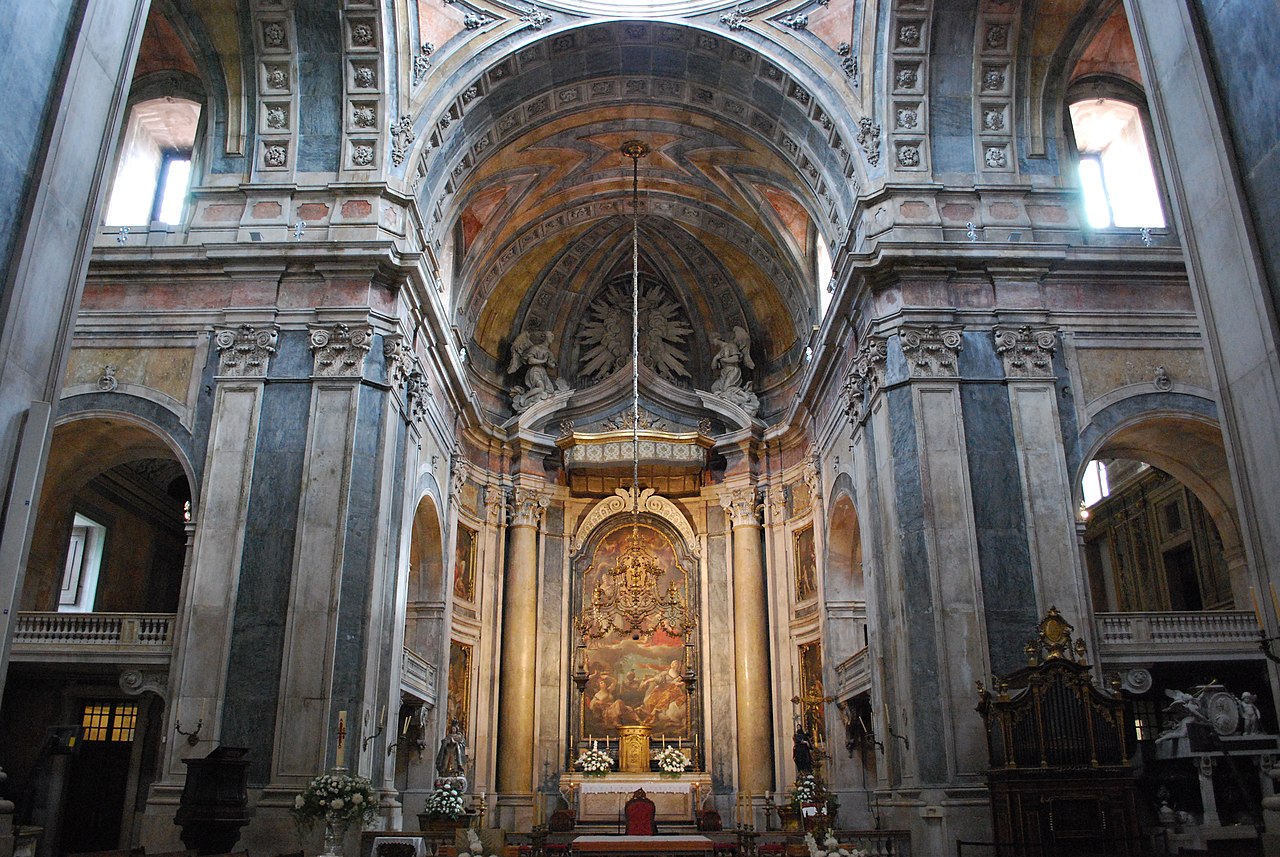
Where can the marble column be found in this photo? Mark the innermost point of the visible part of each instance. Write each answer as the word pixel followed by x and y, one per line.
pixel 750 645
pixel 519 637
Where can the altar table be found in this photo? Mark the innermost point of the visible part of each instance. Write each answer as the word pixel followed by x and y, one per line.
pixel 642 846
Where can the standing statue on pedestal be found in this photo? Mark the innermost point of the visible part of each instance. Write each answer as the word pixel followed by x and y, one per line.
pixel 451 758
pixel 732 355
pixel 532 349
pixel 802 751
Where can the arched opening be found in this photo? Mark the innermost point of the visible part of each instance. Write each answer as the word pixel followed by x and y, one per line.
pixel 423 648
pixel 99 601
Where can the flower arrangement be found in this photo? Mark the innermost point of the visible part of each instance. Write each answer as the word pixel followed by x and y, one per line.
pixel 808 790
pixel 830 847
pixel 594 761
pixel 336 799
pixel 444 802
pixel 671 760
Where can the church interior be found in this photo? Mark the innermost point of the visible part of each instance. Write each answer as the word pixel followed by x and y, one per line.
pixel 851 416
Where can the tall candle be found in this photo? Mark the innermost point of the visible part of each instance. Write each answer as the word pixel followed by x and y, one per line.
pixel 405 730
pixel 342 735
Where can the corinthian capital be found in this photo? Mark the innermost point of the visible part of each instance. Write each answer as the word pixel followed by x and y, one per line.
pixel 527 506
pixel 1027 351
pixel 931 351
pixel 244 351
pixel 742 506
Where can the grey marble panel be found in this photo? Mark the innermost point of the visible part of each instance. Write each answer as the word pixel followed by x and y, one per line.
pixel 319 87
pixel 390 586
pixel 719 738
pixel 293 358
pixel 257 634
pixel 927 725
pixel 1008 588
pixel 552 681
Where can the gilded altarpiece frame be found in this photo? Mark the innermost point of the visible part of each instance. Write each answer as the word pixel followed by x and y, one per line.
pixel 806 560
pixel 632 677
pixel 458 700
pixel 464 563
pixel 812 697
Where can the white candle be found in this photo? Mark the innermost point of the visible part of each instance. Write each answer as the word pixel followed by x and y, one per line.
pixel 342 734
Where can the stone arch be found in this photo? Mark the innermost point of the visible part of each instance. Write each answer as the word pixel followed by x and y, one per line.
pixel 84 449
pixel 427 541
pixel 650 502
pixel 1189 447
pixel 845 579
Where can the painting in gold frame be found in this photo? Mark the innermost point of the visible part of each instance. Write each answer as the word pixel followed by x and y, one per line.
pixel 458 702
pixel 464 564
pixel 811 690
pixel 806 563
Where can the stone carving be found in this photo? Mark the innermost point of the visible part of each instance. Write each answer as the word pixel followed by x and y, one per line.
pixel 362 155
pixel 997 37
pixel 273 34
pixel 364 77
pixel 812 476
pixel 993 120
pixel 931 351
pixel 527 506
pixel 277 118
pixel 244 351
pixel 457 480
pixel 996 158
pixel 362 35
pixel 364 116
pixel 402 137
pixel 776 501
pixel 907 117
pixel 605 340
pixel 1214 706
pixel 907 77
pixel 869 139
pixel 339 351
pixel 735 20
pixel 909 36
pixel 417 394
pixel 534 18
pixel 275 156
pixel 866 377
pixel 472 21
pixel 993 80
pixel 732 355
pixel 909 156
pixel 422 61
pixel 399 357
pixel 649 502
pixel 277 77
pixel 107 382
pixel 1162 381
pixel 495 504
pixel 1027 352
pixel 136 683
pixel 532 350
pixel 796 21
pixel 742 507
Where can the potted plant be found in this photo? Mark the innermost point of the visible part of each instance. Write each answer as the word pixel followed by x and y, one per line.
pixel 338 800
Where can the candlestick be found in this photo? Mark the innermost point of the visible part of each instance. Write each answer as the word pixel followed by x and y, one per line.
pixel 341 757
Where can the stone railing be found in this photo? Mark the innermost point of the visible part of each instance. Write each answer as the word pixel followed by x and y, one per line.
pixel 418 675
pixel 853 674
pixel 96 636
pixel 1175 635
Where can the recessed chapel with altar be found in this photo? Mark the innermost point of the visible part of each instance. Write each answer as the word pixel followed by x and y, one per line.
pixel 610 427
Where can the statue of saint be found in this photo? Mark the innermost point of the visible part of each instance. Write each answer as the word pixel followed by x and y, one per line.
pixel 802 751
pixel 451 758
pixel 532 349
pixel 732 355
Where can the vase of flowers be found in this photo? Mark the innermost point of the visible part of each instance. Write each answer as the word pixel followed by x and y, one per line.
pixel 594 762
pixel 444 804
pixel 338 800
pixel 672 762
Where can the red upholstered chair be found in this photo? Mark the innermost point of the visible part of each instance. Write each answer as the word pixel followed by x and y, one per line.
pixel 640 813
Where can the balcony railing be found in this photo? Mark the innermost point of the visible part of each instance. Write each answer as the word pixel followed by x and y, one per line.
pixel 1169 636
pixel 93 636
pixel 418 675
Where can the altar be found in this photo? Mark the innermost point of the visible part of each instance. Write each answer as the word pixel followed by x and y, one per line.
pixel 600 799
pixel 642 846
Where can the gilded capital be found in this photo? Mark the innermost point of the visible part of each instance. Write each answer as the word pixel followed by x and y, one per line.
pixel 742 506
pixel 527 506
pixel 1027 352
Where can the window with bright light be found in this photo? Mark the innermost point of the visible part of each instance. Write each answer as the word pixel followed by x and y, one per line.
pixel 824 276
pixel 80 571
pixel 154 170
pixel 1116 173
pixel 1095 486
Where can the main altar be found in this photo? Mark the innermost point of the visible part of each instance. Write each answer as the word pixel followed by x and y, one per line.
pixel 600 800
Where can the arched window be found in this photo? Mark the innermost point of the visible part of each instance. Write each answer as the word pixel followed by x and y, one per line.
pixel 1116 172
pixel 154 169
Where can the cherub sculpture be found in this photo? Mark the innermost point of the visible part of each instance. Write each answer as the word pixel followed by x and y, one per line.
pixel 731 356
pixel 532 349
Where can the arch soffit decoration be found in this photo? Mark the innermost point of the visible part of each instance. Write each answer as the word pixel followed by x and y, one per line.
pixel 650 503
pixel 70 425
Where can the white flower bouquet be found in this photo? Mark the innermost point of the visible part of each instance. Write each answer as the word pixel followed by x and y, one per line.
pixel 336 798
pixel 594 761
pixel 444 802
pixel 671 760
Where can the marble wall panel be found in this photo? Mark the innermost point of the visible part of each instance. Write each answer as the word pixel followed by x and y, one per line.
pixel 721 736
pixel 552 669
pixel 1103 370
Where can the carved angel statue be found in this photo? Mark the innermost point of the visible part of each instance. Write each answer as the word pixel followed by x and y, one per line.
pixel 733 353
pixel 532 349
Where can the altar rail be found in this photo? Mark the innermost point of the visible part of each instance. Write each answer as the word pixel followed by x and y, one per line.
pixel 1173 636
pixel 418 675
pixel 93 636
pixel 878 843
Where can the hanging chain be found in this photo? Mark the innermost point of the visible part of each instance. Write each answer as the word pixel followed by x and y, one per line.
pixel 635 150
